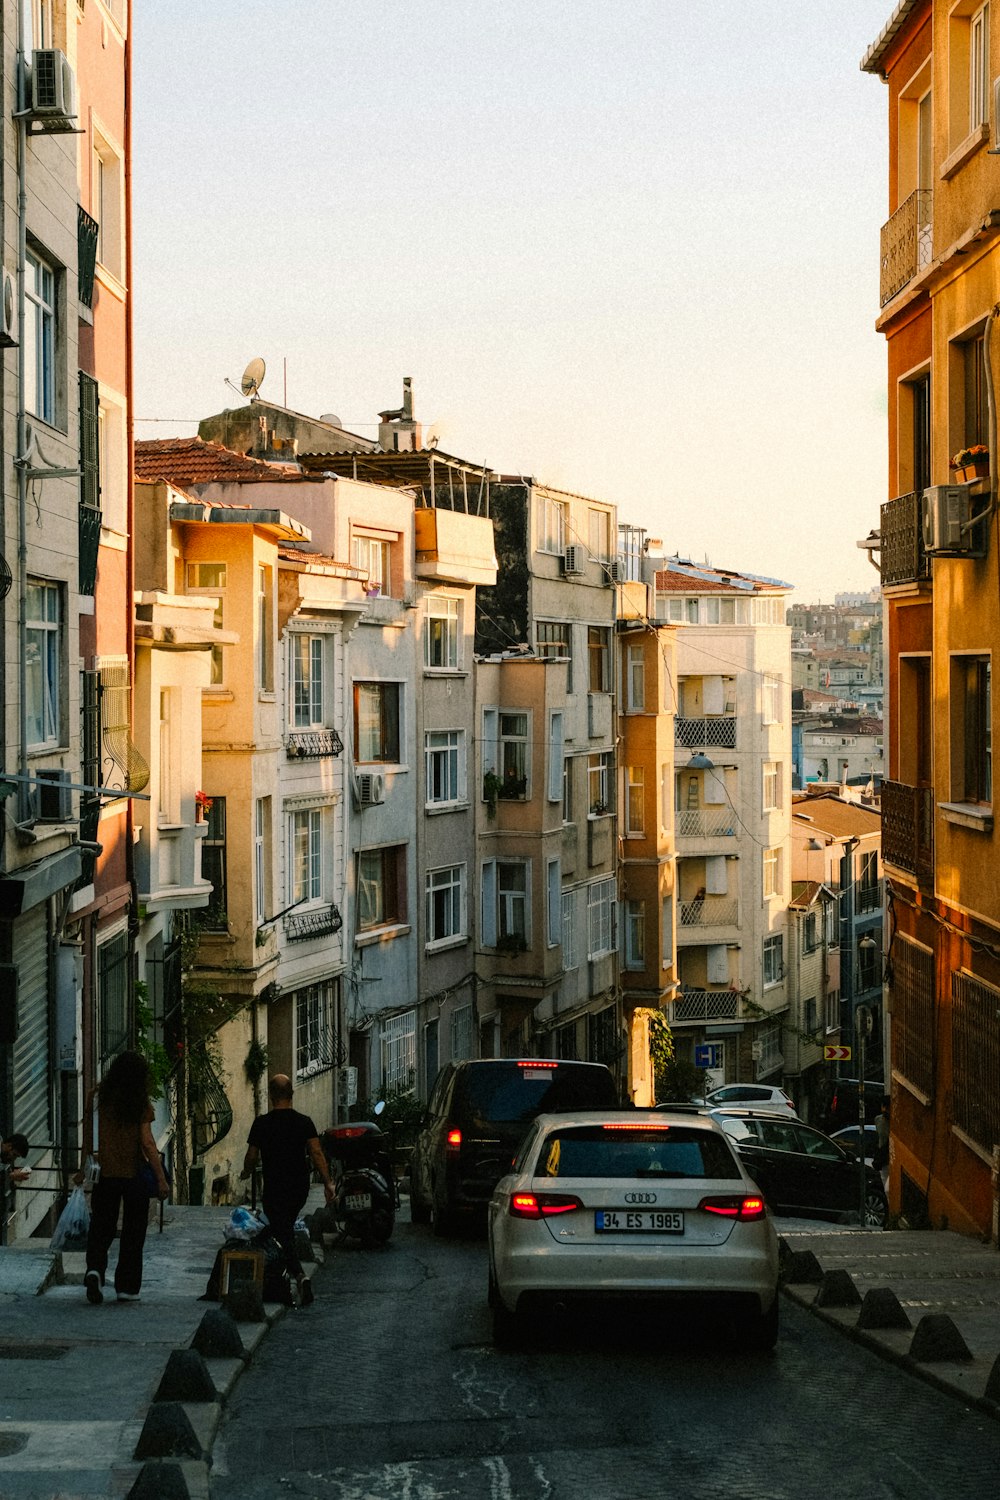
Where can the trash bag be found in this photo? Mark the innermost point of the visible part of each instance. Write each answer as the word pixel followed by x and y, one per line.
pixel 74 1223
pixel 242 1225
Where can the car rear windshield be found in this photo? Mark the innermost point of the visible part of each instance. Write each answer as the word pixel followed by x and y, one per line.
pixel 507 1093
pixel 640 1151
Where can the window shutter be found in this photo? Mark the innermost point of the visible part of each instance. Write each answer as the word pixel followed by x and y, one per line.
pixel 555 757
pixel 554 874
pixel 488 893
pixel 90 485
pixel 490 746
pixel 717 964
pixel 715 875
pixel 713 789
pixel 713 696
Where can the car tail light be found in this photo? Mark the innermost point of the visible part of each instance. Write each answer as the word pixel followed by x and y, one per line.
pixel 542 1205
pixel 648 1132
pixel 453 1140
pixel 346 1132
pixel 537 1062
pixel 746 1207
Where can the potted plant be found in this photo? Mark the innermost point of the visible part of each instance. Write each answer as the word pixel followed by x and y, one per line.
pixel 491 791
pixel 202 806
pixel 971 463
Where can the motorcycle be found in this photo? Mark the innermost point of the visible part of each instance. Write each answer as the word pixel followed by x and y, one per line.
pixel 365 1193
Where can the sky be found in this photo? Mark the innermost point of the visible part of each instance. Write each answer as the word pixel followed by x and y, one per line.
pixel 629 247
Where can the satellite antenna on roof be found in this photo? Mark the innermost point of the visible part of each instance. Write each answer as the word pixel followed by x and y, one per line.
pixel 253 378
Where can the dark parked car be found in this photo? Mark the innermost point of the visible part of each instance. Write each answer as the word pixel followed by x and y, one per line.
pixel 800 1170
pixel 841 1105
pixel 477 1116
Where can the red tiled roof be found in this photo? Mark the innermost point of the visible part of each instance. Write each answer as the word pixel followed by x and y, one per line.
pixel 188 461
pixel 693 578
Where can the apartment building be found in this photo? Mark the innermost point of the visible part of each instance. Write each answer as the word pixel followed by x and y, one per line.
pixel 732 795
pixel 937 553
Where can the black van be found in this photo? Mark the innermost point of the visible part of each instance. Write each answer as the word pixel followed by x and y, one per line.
pixel 477 1116
pixel 840 1106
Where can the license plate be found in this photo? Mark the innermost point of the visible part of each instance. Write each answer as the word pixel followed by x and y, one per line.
pixel 639 1221
pixel 355 1203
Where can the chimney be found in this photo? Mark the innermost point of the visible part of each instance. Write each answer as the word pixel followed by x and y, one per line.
pixel 397 430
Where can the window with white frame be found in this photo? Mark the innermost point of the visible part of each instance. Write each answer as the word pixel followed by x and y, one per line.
pixel 210 578
pixel 554 513
pixel 113 459
pixel 772 785
pixel 771 859
pixel 305 856
pixel 553 902
pixel 305 656
pixel 43 663
pixel 635 671
pixel 265 628
pixel 635 801
pixel 444 761
pixel 42 27
pixel 569 930
pixel 169 807
pixel 381 887
pixel 601 899
pixel 371 555
pixel 461 1033
pixel 314 1023
pixel 556 761
pixel 106 204
pixel 599 534
pixel 505 895
pixel 769 1039
pixel 445 904
pixel 262 858
pixel 635 934
pixel 832 1010
pixel 771 691
pixel 774 964
pixel 513 758
pixel 680 610
pixel 39 338
pixel 398 1052
pixel 554 642
pixel 376 722
pixel 442 634
pixel 979 67
pixel 599 781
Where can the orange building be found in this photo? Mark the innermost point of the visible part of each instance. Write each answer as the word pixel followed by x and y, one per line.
pixel 937 546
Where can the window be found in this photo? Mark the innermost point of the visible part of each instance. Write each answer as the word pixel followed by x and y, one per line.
pixel 461 1033
pixel 635 934
pixel 601 898
pixel 979 68
pixel 599 534
pixel 441 634
pixel 912 998
pixel 599 658
pixel 682 611
pixel 869 896
pixel 43 663
pixel 556 762
pixel 554 514
pixel 772 872
pixel 772 785
pixel 971 741
pixel 553 902
pixel 40 338
pixel 833 1010
pixel 314 1021
pixel 598 781
pixel 968 78
pixel 720 611
pixel 305 856
pixel 168 800
pixel 810 933
pixel 635 791
pixel 398 1052
pixel 774 965
pixel 265 629
pixel 376 721
pixel 505 896
pixel 569 929
pixel 210 578
pixel 771 689
pixel 445 904
pixel 976 400
pixel 635 686
pixel 113 460
pixel 305 654
pixel 381 887
pixel 106 204
pixel 603 1044
pixel 920 413
pixel 42 33
pixel 444 759
pixel 512 766
pixel 567 790
pixel 213 868
pixel 975 1045
pixel 113 998
pixel 91 460
pixel 371 556
pixel 870 960
pixel 555 642
pixel 262 858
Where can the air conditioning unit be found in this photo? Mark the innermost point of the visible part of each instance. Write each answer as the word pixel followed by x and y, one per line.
pixel 371 788
pixel 54 797
pixel 946 510
pixel 614 571
pixel 573 560
pixel 995 148
pixel 53 90
pixel 8 311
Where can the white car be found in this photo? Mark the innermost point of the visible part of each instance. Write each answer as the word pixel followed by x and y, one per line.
pixel 631 1205
pixel 765 1096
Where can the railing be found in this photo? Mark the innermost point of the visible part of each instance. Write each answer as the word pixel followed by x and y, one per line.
pixel 310 744
pixel 907 243
pixel 710 911
pixel 868 897
pixel 903 559
pixel 705 1005
pixel 908 828
pixel 692 733
pixel 706 823
pixel 309 924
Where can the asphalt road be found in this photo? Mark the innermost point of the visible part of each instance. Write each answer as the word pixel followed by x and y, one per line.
pixel 389 1388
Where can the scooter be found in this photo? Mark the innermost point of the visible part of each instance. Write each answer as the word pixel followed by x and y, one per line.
pixel 365 1193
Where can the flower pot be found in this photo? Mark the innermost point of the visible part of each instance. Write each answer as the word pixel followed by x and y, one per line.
pixel 199 813
pixel 979 470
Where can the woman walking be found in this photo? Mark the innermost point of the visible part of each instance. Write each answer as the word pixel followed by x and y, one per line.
pixel 117 1132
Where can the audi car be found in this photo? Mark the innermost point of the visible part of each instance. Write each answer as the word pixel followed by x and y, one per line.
pixel 654 1206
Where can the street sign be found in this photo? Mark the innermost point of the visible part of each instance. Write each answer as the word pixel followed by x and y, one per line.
pixel 836 1054
pixel 864 1020
pixel 708 1055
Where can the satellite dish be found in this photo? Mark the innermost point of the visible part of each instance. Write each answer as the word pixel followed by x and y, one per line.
pixel 331 418
pixel 253 378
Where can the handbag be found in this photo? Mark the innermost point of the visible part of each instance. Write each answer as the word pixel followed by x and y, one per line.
pixel 146 1178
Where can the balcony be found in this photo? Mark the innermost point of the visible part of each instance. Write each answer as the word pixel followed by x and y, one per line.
pixel 710 911
pixel 903 559
pixel 695 734
pixel 313 744
pixel 706 823
pixel 452 547
pixel 907 244
pixel 908 828
pixel 868 897
pixel 310 924
pixel 705 1006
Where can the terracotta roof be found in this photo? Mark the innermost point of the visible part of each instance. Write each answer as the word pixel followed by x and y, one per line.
pixel 188 461
pixel 804 892
pixel 690 578
pixel 841 819
pixel 876 54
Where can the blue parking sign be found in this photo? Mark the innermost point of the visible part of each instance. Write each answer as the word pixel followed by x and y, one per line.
pixel 706 1055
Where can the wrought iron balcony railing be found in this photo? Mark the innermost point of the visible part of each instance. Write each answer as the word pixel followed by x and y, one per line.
pixel 908 828
pixel 309 924
pixel 693 733
pixel 903 559
pixel 310 744
pixel 907 243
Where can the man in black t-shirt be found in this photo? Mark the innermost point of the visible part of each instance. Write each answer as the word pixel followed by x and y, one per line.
pixel 285 1143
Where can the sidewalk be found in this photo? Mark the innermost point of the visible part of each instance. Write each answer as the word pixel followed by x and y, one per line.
pixel 76 1381
pixel 945 1299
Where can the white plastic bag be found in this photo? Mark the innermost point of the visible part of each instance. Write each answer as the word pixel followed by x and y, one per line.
pixel 74 1223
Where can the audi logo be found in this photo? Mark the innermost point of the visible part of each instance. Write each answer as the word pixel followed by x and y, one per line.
pixel 640 1197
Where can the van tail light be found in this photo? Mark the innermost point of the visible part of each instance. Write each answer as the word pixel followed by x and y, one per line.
pixel 542 1205
pixel 453 1140
pixel 745 1207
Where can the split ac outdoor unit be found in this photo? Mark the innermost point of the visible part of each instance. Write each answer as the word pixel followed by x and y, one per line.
pixel 946 510
pixel 614 571
pixel 573 560
pixel 54 797
pixel 8 311
pixel 371 788
pixel 53 91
